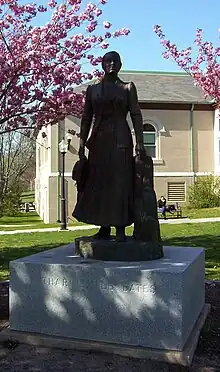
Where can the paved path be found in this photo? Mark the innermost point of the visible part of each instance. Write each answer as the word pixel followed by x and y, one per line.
pixel 190 220
pixel 48 229
pixel 174 221
pixel 20 225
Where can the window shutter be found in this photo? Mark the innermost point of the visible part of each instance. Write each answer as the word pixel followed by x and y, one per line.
pixel 176 192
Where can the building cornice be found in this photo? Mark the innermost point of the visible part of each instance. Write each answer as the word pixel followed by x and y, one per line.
pixel 182 106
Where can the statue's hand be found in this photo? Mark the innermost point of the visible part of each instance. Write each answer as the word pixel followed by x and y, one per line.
pixel 81 152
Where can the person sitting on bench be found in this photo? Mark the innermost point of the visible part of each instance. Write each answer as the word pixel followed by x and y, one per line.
pixel 162 206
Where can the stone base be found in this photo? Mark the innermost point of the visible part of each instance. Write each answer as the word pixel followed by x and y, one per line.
pixel 111 250
pixel 183 357
pixel 153 304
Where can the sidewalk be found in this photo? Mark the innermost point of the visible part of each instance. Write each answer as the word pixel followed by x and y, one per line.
pixel 89 227
pixel 49 229
pixel 190 220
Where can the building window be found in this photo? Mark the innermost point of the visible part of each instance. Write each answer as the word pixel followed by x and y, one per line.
pixel 176 191
pixel 150 140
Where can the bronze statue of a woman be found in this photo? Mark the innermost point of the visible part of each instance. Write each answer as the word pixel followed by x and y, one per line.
pixel 107 198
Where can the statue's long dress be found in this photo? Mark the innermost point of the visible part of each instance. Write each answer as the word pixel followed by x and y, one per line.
pixel 107 199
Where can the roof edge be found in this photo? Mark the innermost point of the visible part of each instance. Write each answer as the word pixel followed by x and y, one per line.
pixel 154 72
pixel 178 102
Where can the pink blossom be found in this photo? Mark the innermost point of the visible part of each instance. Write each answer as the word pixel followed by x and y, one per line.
pixel 108 35
pixel 125 31
pixel 205 69
pixel 92 26
pixel 98 12
pixel 40 66
pixel 52 3
pixel 42 9
pixel 104 45
pixel 106 24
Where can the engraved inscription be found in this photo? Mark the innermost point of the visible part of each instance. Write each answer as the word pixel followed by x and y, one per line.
pixel 104 287
pixel 107 287
pixel 134 287
pixel 57 282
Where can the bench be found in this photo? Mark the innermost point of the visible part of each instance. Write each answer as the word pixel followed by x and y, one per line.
pixel 178 211
pixel 27 207
pixel 173 209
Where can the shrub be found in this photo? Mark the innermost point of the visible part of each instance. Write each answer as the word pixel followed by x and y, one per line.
pixel 10 205
pixel 205 192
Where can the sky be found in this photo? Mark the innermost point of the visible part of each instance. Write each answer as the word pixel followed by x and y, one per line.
pixel 141 50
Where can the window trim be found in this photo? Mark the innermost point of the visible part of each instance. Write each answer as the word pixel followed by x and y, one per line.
pixel 155 141
pixel 160 129
pixel 156 159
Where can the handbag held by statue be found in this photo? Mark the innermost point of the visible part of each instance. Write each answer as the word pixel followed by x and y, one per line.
pixel 80 173
pixel 146 224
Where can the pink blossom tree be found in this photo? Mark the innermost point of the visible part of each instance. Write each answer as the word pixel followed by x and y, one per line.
pixel 205 69
pixel 41 65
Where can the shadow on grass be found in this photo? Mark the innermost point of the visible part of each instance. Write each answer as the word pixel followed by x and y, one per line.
pixel 209 242
pixel 10 254
pixel 212 250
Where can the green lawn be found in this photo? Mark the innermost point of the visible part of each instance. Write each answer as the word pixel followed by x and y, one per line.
pixel 21 245
pixel 198 213
pixel 33 220
pixel 201 213
pixel 206 235
pixel 196 235
pixel 28 196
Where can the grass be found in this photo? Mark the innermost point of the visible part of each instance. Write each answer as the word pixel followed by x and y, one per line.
pixel 23 218
pixel 21 245
pixel 195 235
pixel 31 220
pixel 197 213
pixel 34 222
pixel 204 235
pixel 201 213
pixel 28 197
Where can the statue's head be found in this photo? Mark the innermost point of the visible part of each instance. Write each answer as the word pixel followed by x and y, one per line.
pixel 111 63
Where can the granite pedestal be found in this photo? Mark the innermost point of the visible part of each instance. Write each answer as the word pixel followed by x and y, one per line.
pixel 152 304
